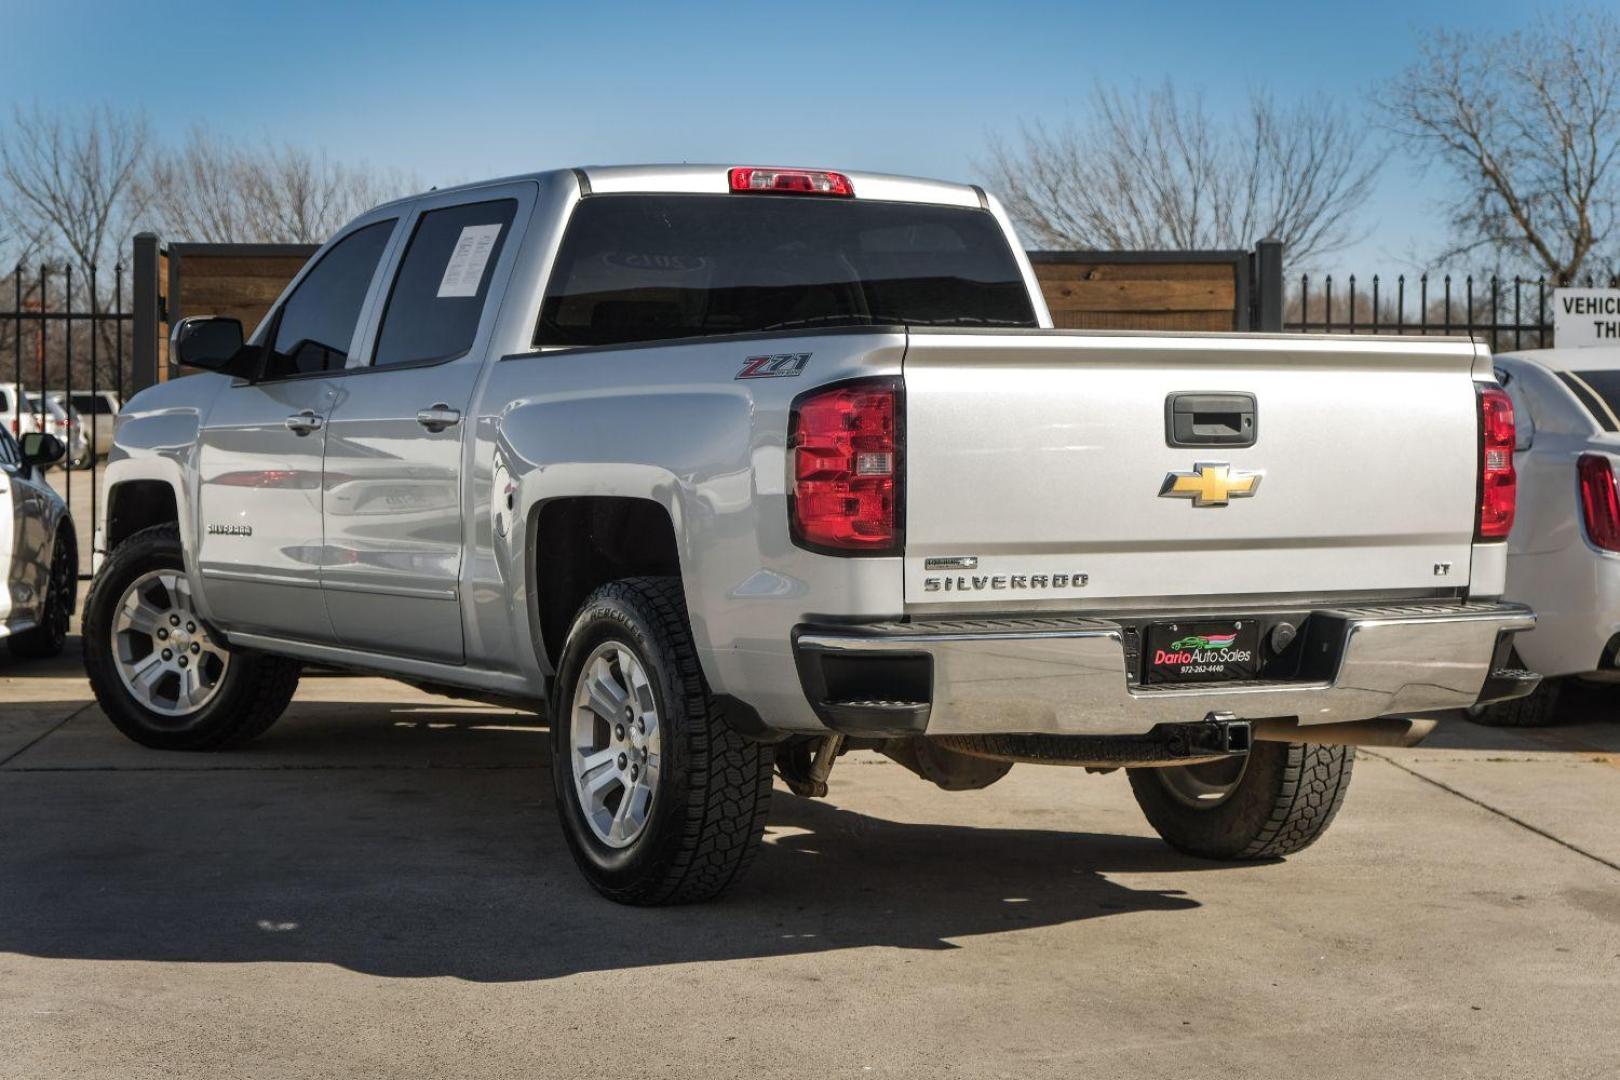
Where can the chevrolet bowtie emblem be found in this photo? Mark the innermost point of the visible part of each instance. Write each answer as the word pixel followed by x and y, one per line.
pixel 1211 483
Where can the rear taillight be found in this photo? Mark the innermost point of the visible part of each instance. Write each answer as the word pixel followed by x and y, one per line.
pixel 1600 503
pixel 791 181
pixel 845 445
pixel 1498 483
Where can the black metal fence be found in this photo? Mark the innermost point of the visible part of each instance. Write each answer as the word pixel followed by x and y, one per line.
pixel 66 331
pixel 1507 313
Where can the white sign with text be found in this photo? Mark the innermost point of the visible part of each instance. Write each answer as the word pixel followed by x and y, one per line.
pixel 1586 317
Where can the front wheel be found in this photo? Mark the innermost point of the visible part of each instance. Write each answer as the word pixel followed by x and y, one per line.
pixel 1275 800
pixel 48 636
pixel 661 801
pixel 161 674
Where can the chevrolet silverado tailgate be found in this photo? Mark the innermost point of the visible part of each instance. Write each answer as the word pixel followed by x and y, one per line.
pixel 1040 467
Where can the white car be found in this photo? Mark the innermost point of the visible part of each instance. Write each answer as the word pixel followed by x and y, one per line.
pixel 65 425
pixel 102 405
pixel 1564 551
pixel 38 548
pixel 21 412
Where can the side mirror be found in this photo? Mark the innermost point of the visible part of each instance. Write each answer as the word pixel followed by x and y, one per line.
pixel 40 448
pixel 210 342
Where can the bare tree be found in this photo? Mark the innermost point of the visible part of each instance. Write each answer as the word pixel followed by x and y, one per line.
pixel 16 243
pixel 1154 170
pixel 212 189
pixel 69 184
pixel 1529 124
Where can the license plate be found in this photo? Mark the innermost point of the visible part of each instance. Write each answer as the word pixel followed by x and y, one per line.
pixel 1203 651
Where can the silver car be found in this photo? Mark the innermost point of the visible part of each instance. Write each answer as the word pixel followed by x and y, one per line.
pixel 1564 553
pixel 38 548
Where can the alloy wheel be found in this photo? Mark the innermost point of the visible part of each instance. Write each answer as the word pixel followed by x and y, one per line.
pixel 615 742
pixel 166 656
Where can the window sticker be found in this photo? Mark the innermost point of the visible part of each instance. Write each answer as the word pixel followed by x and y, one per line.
pixel 466 266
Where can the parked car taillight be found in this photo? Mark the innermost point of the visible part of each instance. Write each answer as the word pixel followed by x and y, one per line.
pixel 845 453
pixel 1600 503
pixel 1498 483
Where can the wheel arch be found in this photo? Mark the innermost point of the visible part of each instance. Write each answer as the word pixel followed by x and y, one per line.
pixel 138 503
pixel 580 542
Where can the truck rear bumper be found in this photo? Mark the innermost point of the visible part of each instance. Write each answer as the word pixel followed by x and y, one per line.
pixel 1076 676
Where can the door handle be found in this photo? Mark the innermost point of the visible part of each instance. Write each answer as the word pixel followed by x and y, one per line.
pixel 439 417
pixel 1229 420
pixel 305 422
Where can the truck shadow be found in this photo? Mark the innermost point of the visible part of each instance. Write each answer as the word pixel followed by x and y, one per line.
pixel 462 872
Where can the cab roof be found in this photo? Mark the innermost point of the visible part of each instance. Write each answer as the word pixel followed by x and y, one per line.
pixel 715 180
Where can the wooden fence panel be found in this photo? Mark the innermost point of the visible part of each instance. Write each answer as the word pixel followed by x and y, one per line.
pixel 238 280
pixel 1145 290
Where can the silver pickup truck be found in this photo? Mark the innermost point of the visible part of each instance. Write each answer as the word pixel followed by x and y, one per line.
pixel 730 470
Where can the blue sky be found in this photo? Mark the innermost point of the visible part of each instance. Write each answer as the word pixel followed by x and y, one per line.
pixel 456 92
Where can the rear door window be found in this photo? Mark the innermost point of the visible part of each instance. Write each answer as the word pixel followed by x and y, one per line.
pixel 650 267
pixel 443 281
pixel 316 324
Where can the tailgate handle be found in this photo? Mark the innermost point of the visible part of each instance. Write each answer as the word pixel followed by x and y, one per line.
pixel 1203 419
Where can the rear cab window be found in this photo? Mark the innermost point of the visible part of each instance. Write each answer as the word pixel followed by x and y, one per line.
pixel 636 268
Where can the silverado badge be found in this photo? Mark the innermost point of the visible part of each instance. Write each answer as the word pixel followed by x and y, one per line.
pixel 1211 483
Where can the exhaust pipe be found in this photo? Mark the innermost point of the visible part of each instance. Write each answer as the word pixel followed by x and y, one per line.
pixel 1384 731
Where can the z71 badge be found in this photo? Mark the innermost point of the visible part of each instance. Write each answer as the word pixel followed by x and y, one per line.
pixel 775 366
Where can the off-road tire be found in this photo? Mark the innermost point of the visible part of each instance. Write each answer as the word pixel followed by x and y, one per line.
pixel 49 635
pixel 1285 800
pixel 1539 708
pixel 714 788
pixel 253 692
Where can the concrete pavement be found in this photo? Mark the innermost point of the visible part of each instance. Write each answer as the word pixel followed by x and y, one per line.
pixel 378 888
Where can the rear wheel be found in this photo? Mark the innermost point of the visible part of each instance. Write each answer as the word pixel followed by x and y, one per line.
pixel 661 801
pixel 49 635
pixel 161 674
pixel 1273 801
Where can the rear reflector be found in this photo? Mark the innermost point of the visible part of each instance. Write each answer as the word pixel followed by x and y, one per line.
pixel 791 181
pixel 845 456
pixel 1600 503
pixel 1498 483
